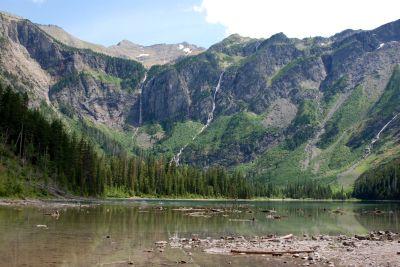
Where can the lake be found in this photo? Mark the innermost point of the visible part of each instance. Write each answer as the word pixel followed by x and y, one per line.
pixel 111 233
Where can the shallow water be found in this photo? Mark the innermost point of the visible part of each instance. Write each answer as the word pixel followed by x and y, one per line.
pixel 114 232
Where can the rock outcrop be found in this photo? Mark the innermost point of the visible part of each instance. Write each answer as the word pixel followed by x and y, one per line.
pixel 90 84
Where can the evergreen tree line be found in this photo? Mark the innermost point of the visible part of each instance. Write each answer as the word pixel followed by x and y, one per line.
pixel 149 175
pixel 74 164
pixel 382 182
pixel 311 189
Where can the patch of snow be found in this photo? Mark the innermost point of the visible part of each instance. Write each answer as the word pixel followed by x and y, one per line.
pixel 181 46
pixel 143 55
pixel 381 45
pixel 187 50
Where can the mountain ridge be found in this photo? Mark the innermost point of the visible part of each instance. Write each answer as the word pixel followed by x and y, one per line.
pixel 285 108
pixel 148 55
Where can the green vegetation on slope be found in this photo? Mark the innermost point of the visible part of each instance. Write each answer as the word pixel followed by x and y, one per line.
pixel 348 115
pixel 19 178
pixel 245 127
pixel 182 134
pixel 75 166
pixel 279 165
pixel 104 139
pixel 389 101
pixel 380 113
pixel 210 139
pixel 110 141
pixel 128 84
pixel 336 88
pixel 230 137
pixel 286 68
pixel 283 162
pixel 305 124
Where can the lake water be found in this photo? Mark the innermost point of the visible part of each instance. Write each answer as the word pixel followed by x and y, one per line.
pixel 113 232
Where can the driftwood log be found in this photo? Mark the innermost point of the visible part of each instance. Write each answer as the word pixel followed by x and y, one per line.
pixel 269 252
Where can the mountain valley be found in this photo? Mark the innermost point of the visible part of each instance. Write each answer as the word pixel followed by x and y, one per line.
pixel 280 109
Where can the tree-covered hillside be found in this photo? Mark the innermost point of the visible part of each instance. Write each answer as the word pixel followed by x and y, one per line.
pixel 48 155
pixel 381 182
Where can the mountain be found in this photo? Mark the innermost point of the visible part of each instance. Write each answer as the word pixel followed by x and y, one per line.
pixel 154 54
pixel 147 55
pixel 279 109
pixel 64 37
pixel 97 85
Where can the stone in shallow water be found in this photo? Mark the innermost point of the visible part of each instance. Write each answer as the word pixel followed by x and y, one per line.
pixel 161 243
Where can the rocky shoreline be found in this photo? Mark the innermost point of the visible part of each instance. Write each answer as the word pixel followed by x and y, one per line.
pixel 378 248
pixel 45 204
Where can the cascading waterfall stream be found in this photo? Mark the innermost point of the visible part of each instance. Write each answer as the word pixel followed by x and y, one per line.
pixel 140 109
pixel 211 114
pixel 140 98
pixel 368 149
pixel 140 103
pixel 257 45
pixel 210 118
pixel 378 135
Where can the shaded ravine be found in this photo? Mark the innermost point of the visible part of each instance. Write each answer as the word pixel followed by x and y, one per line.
pixel 176 158
pixel 368 149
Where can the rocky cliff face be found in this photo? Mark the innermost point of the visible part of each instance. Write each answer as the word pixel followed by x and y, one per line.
pixel 278 108
pixel 298 91
pixel 92 85
pixel 278 67
pixel 181 91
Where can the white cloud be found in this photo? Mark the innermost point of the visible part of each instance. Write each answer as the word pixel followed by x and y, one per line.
pixel 297 18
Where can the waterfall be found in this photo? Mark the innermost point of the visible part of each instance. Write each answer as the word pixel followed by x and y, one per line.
pixel 378 135
pixel 140 98
pixel 211 114
pixel 210 118
pixel 140 109
pixel 177 157
pixel 258 44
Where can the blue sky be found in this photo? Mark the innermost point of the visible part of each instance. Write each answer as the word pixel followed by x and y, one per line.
pixel 108 22
pixel 202 22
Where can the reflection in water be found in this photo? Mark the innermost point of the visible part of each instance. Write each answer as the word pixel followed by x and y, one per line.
pixel 114 232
